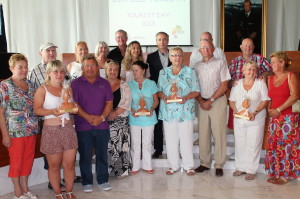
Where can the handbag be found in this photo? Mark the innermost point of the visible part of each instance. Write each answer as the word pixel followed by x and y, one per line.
pixel 296 105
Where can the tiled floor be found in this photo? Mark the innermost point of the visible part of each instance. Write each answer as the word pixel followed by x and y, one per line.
pixel 205 186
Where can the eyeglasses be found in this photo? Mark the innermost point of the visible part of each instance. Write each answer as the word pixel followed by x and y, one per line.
pixel 205 47
pixel 181 55
pixel 120 37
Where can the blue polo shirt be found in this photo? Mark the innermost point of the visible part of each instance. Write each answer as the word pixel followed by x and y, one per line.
pixel 148 89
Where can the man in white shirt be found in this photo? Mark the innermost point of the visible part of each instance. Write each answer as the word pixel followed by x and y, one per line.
pixel 196 55
pixel 213 76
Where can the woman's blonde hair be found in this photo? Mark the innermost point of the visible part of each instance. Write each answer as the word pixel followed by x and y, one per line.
pixel 15 58
pixel 282 57
pixel 127 61
pixel 99 45
pixel 52 66
pixel 250 63
pixel 109 63
pixel 76 46
pixel 176 48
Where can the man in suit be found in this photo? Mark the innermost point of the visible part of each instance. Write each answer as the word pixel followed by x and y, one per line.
pixel 249 25
pixel 157 61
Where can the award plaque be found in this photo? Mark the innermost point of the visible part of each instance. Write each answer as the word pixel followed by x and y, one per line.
pixel 244 113
pixel 67 103
pixel 142 110
pixel 174 97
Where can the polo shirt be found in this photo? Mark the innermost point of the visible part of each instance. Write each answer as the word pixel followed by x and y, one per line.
pixel 92 99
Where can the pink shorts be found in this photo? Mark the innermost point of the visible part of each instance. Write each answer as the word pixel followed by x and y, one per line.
pixel 56 139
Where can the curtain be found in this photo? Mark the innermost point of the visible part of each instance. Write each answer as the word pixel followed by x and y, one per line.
pixel 3 44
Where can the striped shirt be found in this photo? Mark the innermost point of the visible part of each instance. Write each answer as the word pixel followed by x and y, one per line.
pixel 210 75
pixel 37 75
pixel 236 66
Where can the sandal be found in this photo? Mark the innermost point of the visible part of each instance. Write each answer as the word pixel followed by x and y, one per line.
pixel 271 180
pixel 281 181
pixel 60 196
pixel 238 173
pixel 249 176
pixel 134 172
pixel 190 172
pixel 149 171
pixel 70 195
pixel 170 171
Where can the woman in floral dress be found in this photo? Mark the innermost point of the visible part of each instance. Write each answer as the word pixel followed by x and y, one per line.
pixel 282 158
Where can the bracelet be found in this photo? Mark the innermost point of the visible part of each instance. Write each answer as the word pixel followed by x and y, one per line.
pixel 278 110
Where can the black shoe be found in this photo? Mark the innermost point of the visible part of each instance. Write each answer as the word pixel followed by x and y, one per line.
pixel 156 154
pixel 78 179
pixel 62 186
pixel 219 172
pixel 201 168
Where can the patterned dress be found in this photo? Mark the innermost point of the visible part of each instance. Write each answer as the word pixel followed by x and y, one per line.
pixel 283 149
pixel 119 159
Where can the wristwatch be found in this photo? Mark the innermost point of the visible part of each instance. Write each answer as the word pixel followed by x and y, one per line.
pixel 103 118
pixel 212 99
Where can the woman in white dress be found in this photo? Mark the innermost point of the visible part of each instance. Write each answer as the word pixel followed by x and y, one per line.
pixel 74 68
pixel 101 52
pixel 248 132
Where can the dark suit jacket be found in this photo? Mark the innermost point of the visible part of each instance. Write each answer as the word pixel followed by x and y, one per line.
pixel 155 65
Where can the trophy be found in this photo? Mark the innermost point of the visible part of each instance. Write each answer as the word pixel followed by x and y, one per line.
pixel 244 113
pixel 174 97
pixel 142 110
pixel 67 103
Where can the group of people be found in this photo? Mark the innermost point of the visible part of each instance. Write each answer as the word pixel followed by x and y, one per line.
pixel 123 100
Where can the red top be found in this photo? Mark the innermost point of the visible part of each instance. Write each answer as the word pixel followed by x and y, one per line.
pixel 279 95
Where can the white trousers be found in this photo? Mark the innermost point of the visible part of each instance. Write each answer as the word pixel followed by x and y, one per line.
pixel 179 134
pixel 248 141
pixel 141 134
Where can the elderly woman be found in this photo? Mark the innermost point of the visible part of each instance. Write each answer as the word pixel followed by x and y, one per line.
pixel 74 68
pixel 248 98
pixel 101 52
pixel 119 159
pixel 59 140
pixel 144 99
pixel 133 53
pixel 18 124
pixel 282 150
pixel 178 117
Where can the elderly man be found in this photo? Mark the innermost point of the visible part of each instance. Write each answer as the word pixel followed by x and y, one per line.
pixel 118 53
pixel 157 61
pixel 213 76
pixel 196 55
pixel 236 65
pixel 91 124
pixel 48 53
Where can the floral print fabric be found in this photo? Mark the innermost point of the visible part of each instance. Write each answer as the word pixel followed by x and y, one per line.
pixel 283 149
pixel 18 106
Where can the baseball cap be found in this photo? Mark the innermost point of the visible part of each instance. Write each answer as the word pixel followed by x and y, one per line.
pixel 47 45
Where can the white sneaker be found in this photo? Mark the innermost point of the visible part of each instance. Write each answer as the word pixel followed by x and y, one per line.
pixel 30 195
pixel 105 186
pixel 21 197
pixel 87 188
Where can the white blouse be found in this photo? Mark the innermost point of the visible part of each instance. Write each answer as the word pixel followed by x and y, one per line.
pixel 256 95
pixel 125 101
